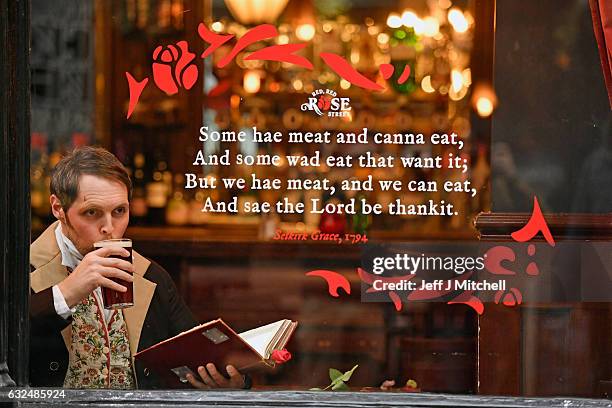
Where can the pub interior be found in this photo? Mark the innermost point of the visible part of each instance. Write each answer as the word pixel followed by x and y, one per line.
pixel 232 266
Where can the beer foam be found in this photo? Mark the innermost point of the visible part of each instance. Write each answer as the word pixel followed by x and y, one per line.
pixel 119 242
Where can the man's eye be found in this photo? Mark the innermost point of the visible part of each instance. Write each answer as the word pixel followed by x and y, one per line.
pixel 120 210
pixel 91 212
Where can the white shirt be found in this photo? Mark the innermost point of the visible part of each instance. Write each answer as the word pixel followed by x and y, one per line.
pixel 71 257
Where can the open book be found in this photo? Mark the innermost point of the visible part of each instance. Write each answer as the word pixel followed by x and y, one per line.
pixel 215 342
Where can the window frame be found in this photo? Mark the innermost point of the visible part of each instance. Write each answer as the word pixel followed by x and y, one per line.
pixel 14 263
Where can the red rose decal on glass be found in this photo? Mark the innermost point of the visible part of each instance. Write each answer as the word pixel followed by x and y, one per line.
pixel 174 68
pixel 324 102
pixel 281 356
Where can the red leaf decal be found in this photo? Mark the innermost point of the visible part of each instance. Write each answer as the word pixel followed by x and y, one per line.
pixel 386 70
pixel 282 53
pixel 536 224
pixel 467 298
pixel 261 32
pixel 334 281
pixel 136 89
pixel 397 302
pixel 405 75
pixel 346 71
pixel 215 40
pixel 494 258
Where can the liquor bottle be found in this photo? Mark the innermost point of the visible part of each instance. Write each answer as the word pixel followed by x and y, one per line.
pixel 164 9
pixel 177 212
pixel 177 14
pixel 157 195
pixel 196 215
pixel 138 205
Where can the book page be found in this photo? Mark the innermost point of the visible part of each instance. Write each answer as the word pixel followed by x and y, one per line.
pixel 260 337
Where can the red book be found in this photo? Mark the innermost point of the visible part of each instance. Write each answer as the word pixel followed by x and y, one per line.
pixel 215 342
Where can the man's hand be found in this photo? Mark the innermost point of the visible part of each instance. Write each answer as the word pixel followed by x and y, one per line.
pixel 95 270
pixel 211 378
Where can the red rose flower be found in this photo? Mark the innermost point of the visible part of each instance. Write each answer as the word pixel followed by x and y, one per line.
pixel 174 68
pixel 82 334
pixel 281 356
pixel 86 347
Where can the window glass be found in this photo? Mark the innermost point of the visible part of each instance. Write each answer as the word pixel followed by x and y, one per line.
pixel 321 163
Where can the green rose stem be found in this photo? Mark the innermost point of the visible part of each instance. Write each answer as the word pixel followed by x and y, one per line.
pixel 338 380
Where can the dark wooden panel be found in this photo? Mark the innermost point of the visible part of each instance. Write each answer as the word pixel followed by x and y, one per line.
pixel 546 349
pixel 14 190
pixel 499 351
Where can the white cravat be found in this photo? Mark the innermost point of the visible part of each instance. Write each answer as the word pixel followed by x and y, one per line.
pixel 71 257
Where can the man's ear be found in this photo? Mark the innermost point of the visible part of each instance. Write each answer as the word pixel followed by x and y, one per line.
pixel 57 209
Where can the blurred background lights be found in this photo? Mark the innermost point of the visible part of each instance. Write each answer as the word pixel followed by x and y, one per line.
pixel 484 100
pixel 457 20
pixel 394 20
pixel 456 80
pixel 426 84
pixel 484 106
pixel 409 18
pixel 251 81
pixel 305 32
pixel 431 26
pixel 217 26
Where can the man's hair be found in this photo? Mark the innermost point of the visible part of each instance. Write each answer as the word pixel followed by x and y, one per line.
pixel 94 161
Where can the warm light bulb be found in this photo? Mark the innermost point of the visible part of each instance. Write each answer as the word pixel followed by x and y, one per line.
pixel 344 84
pixel 217 26
pixel 409 18
pixel 305 32
pixel 456 80
pixel 251 81
pixel 419 27
pixel 383 38
pixel 426 85
pixel 484 106
pixel 394 20
pixel 298 84
pixel 457 20
pixel 484 99
pixel 431 26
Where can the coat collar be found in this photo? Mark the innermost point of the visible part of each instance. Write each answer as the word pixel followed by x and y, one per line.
pixel 46 257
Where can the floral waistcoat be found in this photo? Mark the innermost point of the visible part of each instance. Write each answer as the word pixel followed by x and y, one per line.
pixel 100 353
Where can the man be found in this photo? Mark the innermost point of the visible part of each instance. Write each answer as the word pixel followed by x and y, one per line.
pixel 76 343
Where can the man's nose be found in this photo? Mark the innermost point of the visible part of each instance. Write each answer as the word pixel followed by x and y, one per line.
pixel 107 226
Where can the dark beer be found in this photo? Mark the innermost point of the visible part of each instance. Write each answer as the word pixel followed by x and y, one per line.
pixel 113 299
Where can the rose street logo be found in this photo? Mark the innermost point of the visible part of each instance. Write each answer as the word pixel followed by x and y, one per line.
pixel 326 101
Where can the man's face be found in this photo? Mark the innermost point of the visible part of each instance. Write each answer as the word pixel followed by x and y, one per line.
pixel 100 211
